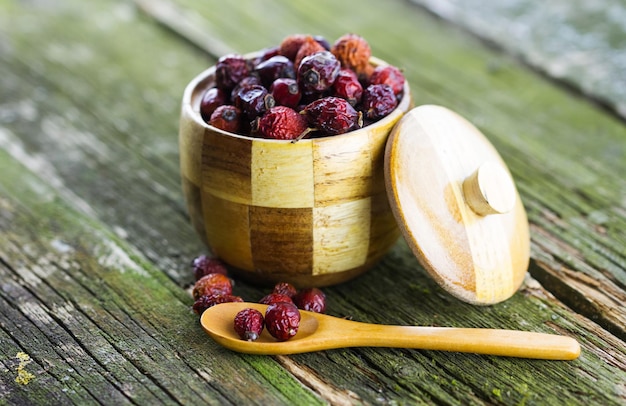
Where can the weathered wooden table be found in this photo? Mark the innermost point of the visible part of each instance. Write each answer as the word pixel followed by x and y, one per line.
pixel 95 242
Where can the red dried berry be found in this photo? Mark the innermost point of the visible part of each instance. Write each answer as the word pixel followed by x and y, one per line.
pixel 354 53
pixel 281 123
pixel 245 82
pixel 282 320
pixel 211 100
pixel 265 54
pixel 275 298
pixel 311 299
pixel 318 72
pixel 347 86
pixel 204 265
pixel 206 301
pixel 254 101
pixel 229 71
pixel 285 288
pixel 291 44
pixel 227 118
pixel 388 75
pixel 212 284
pixel 309 47
pixel 332 115
pixel 378 101
pixel 286 92
pixel 248 324
pixel 276 67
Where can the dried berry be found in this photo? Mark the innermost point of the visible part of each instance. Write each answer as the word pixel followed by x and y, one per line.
pixel 347 86
pixel 285 288
pixel 286 92
pixel 229 71
pixel 282 320
pixel 311 299
pixel 205 301
pixel 317 72
pixel 227 118
pixel 378 101
pixel 204 265
pixel 388 75
pixel 309 47
pixel 211 100
pixel 275 298
pixel 248 324
pixel 245 82
pixel 276 67
pixel 291 44
pixel 212 284
pixel 332 115
pixel 281 123
pixel 353 52
pixel 254 101
pixel 266 54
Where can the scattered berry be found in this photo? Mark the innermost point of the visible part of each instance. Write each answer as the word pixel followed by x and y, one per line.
pixel 276 67
pixel 354 53
pixel 378 101
pixel 254 101
pixel 275 298
pixel 248 324
pixel 317 72
pixel 227 118
pixel 206 301
pixel 285 288
pixel 388 75
pixel 212 284
pixel 229 71
pixel 204 265
pixel 286 92
pixel 347 86
pixel 311 299
pixel 282 320
pixel 332 115
pixel 281 123
pixel 211 100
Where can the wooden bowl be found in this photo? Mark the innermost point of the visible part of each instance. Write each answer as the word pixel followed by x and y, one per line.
pixel 312 213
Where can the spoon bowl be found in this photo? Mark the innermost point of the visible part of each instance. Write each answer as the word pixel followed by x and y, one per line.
pixel 319 332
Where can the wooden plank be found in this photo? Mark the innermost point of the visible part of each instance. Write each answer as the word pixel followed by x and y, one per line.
pixel 94 240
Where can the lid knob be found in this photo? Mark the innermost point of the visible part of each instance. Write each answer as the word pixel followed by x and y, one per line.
pixel 489 190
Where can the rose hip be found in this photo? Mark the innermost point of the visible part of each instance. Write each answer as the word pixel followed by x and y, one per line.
pixel 245 82
pixel 281 123
pixel 354 53
pixel 317 72
pixel 286 92
pixel 212 99
pixel 206 301
pixel 282 320
pixel 347 86
pixel 311 299
pixel 248 324
pixel 276 67
pixel 212 284
pixel 332 115
pixel 254 101
pixel 309 47
pixel 291 44
pixel 227 118
pixel 275 298
pixel 388 75
pixel 204 265
pixel 378 101
pixel 229 71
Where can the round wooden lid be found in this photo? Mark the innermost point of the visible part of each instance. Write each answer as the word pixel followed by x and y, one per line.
pixel 456 205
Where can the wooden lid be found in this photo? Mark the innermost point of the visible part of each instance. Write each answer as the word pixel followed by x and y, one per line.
pixel 456 205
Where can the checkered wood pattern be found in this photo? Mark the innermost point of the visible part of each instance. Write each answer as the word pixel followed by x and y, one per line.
pixel 313 212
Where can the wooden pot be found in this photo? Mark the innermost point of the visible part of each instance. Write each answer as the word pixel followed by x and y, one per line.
pixel 312 213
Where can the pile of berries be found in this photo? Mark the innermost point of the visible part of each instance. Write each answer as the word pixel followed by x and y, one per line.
pixel 302 88
pixel 282 317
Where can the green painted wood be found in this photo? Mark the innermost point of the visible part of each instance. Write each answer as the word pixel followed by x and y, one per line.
pixel 95 243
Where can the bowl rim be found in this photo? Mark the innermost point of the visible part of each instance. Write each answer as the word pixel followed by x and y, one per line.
pixel 194 90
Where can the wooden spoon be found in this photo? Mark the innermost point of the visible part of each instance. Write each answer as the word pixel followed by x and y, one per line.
pixel 321 332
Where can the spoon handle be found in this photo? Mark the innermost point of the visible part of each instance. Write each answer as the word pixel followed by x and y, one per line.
pixel 508 343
